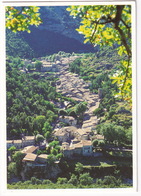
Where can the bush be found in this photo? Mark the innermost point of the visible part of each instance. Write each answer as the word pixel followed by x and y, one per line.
pixel 73 180
pixel 85 179
pixel 95 143
pixel 46 181
pixel 28 182
pixel 33 180
pixel 62 181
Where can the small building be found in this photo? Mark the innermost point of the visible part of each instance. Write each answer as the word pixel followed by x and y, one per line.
pixel 29 159
pixel 61 134
pixel 28 140
pixel 66 133
pixel 30 149
pixel 17 143
pixel 42 158
pixel 77 147
pixel 21 143
pixel 67 150
pixel 9 143
pixel 69 120
pixel 87 148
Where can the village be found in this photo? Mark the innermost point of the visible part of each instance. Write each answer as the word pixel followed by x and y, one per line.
pixel 74 140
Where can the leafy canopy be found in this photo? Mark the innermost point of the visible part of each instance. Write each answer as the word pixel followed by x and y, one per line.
pixel 20 18
pixel 109 25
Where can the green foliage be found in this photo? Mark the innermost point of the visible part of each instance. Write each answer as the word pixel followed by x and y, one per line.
pixel 38 65
pixel 47 127
pixel 62 180
pixel 80 109
pixel 78 168
pixel 73 180
pixel 113 133
pixel 85 179
pixel 28 105
pixel 39 138
pixel 46 181
pixel 110 181
pixel 12 149
pixel 12 168
pixel 16 46
pixel 98 112
pixel 19 19
pixel 109 25
pixel 95 143
pixel 17 157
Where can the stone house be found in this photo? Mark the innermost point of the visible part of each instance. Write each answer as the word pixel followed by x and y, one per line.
pixel 21 143
pixel 67 150
pixel 29 159
pixel 28 140
pixel 61 134
pixel 17 143
pixel 9 143
pixel 68 120
pixel 42 158
pixel 77 147
pixel 64 134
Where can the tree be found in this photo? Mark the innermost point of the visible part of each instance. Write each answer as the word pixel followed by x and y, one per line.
pixel 113 133
pixel 109 25
pixel 39 123
pixel 62 180
pixel 54 144
pixel 47 135
pixel 12 149
pixel 17 157
pixel 39 138
pixel 20 18
pixel 12 168
pixel 78 168
pixel 85 179
pixel 73 180
pixel 80 109
pixel 38 65
pixel 47 127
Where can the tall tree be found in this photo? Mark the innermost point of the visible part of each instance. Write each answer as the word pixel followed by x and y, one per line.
pixel 109 25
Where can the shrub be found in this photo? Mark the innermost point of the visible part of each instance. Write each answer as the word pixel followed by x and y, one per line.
pixel 62 180
pixel 33 180
pixel 85 179
pixel 95 143
pixel 46 181
pixel 73 180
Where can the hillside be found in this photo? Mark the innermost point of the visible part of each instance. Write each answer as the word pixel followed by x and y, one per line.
pixel 56 33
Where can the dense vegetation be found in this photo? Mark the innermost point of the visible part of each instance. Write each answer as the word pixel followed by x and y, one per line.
pixel 32 109
pixel 114 114
pixel 17 46
pixel 77 176
pixel 31 100
pixel 85 181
